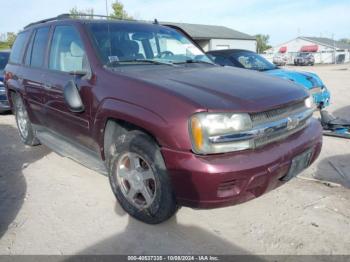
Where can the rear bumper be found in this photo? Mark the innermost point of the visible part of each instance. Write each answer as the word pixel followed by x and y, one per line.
pixel 4 104
pixel 228 179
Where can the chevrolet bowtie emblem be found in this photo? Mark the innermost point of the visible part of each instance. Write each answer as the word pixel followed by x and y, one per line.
pixel 292 123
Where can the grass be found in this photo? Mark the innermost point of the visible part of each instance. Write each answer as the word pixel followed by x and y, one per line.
pixel 4 45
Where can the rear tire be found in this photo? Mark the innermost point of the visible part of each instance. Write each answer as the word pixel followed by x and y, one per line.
pixel 139 178
pixel 24 125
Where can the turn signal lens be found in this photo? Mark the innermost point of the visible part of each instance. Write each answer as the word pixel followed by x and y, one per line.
pixel 197 133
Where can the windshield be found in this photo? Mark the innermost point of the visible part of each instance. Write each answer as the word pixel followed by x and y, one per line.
pixel 303 54
pixel 253 61
pixel 4 57
pixel 133 43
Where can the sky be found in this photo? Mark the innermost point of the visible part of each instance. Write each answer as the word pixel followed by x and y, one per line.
pixel 282 20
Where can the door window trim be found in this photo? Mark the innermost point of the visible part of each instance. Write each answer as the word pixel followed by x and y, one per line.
pixel 29 52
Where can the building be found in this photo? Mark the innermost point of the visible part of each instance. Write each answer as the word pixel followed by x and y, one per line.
pixel 3 37
pixel 325 50
pixel 211 37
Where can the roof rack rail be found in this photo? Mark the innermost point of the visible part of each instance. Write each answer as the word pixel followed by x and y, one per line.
pixel 59 17
pixel 78 15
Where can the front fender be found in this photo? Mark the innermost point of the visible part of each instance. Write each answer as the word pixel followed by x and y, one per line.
pixel 120 110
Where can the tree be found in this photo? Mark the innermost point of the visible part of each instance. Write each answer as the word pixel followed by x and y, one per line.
pixel 11 37
pixel 76 13
pixel 345 40
pixel 119 12
pixel 262 43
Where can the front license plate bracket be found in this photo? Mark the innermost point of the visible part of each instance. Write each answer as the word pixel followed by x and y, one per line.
pixel 299 163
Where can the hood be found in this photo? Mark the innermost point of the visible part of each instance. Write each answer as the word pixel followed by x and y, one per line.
pixel 306 79
pixel 219 88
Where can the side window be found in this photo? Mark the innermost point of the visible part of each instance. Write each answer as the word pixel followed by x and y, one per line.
pixel 39 47
pixel 18 47
pixel 67 53
pixel 221 60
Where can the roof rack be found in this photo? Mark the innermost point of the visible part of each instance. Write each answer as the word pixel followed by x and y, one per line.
pixel 59 17
pixel 79 15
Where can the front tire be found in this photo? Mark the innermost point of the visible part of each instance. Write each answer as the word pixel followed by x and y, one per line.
pixel 139 178
pixel 24 125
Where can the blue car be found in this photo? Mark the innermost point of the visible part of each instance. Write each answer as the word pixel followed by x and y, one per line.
pixel 250 60
pixel 4 104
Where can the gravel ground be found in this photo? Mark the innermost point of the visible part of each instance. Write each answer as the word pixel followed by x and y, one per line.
pixel 52 205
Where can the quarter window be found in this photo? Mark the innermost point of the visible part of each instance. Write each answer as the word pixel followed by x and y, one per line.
pixel 18 47
pixel 67 53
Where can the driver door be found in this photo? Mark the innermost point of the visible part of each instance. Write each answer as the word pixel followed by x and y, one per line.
pixel 66 58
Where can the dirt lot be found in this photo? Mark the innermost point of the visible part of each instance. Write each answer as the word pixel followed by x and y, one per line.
pixel 51 205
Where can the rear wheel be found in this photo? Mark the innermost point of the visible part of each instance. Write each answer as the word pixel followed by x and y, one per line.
pixel 139 178
pixel 23 123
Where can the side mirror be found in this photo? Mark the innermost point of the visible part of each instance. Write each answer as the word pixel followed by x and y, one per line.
pixel 72 97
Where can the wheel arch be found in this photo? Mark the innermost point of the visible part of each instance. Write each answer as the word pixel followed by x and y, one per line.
pixel 117 117
pixel 13 88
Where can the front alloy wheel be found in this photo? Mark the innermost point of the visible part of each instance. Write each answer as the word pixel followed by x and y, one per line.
pixel 139 178
pixel 136 180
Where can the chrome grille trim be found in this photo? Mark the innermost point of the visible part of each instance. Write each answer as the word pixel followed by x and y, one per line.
pixel 276 114
pixel 280 135
pixel 268 132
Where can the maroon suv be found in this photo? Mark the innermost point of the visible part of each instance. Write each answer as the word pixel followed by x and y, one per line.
pixel 142 103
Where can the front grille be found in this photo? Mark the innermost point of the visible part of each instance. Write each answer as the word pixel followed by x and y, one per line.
pixel 273 137
pixel 277 114
pixel 273 115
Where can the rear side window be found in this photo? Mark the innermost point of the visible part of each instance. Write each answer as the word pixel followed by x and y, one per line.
pixel 18 48
pixel 39 47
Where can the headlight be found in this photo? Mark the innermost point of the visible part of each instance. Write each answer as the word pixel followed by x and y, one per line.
pixel 309 102
pixel 1 83
pixel 205 126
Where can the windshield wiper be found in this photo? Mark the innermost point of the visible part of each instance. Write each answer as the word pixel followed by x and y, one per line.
pixel 267 69
pixel 192 61
pixel 150 61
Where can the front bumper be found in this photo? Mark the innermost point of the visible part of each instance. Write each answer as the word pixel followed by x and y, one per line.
pixel 302 62
pixel 322 99
pixel 228 179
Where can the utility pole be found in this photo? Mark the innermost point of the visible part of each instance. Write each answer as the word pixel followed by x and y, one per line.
pixel 334 51
pixel 106 7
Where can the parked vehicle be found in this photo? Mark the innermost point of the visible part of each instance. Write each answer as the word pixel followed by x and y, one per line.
pixel 250 60
pixel 142 103
pixel 280 60
pixel 304 59
pixel 4 105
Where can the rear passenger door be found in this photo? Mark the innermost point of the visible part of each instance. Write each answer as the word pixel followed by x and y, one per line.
pixel 67 59
pixel 34 74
